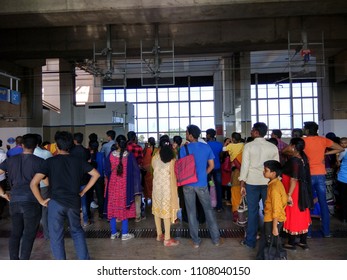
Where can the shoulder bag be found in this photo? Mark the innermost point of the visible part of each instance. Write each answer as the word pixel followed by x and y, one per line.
pixel 185 169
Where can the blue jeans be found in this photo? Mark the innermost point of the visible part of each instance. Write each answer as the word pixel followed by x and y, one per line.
pixel 254 194
pixel 216 174
pixel 56 218
pixel 84 206
pixel 190 201
pixel 318 185
pixel 25 217
pixel 45 193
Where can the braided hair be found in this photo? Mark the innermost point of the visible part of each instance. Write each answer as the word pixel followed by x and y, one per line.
pixel 305 189
pixel 122 142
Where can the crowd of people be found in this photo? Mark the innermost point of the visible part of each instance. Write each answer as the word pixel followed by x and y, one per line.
pixel 48 184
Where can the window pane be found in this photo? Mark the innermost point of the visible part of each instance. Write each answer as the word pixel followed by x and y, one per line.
pixel 297 106
pixel 163 110
pixel 315 89
pixel 315 116
pixel 272 91
pixel 162 94
pixel 196 121
pixel 263 119
pixel 285 121
pixel 184 122
pixel 131 95
pixel 273 106
pixel 315 105
pixel 253 92
pixel 207 122
pixel 307 118
pixel 184 109
pixel 173 94
pixel 307 105
pixel 207 93
pixel 152 96
pixel 184 94
pixel 254 119
pixel 173 110
pixel 262 91
pixel 142 124
pixel 284 106
pixel 307 89
pixel 108 95
pixel 163 125
pixel 142 110
pixel 207 108
pixel 194 93
pixel 262 107
pixel 152 110
pixel 152 125
pixel 253 107
pixel 195 109
pixel 120 95
pixel 284 90
pixel 174 124
pixel 273 122
pixel 296 89
pixel 297 120
pixel 141 95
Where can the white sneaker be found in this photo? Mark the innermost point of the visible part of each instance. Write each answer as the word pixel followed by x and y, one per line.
pixel 127 236
pixel 94 205
pixel 115 235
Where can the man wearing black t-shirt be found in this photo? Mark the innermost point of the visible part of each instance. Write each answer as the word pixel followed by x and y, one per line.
pixel 24 209
pixel 65 173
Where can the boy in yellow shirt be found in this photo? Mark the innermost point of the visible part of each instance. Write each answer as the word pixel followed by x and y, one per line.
pixel 275 204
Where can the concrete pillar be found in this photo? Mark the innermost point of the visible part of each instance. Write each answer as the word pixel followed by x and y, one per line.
pixel 228 95
pixel 66 91
pixel 218 105
pixel 243 108
pixel 236 82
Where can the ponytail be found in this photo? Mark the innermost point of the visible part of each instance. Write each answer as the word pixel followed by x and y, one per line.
pixel 121 140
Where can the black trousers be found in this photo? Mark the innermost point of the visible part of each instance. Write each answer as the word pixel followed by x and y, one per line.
pixel 25 217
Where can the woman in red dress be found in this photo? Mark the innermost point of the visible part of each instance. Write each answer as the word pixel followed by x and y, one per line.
pixel 124 184
pixel 296 179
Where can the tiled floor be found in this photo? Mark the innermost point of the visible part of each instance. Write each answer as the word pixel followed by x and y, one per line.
pixel 145 247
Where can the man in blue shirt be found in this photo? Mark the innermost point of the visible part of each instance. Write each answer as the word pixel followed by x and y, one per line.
pixel 204 162
pixel 216 175
pixel 16 150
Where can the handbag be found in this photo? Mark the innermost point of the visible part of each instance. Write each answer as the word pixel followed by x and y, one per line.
pixel 185 169
pixel 272 252
pixel 242 213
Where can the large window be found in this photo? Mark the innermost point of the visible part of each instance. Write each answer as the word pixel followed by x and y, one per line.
pixel 161 111
pixel 274 105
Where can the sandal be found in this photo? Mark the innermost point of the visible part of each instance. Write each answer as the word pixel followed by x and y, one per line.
pixel 171 242
pixel 303 246
pixel 160 238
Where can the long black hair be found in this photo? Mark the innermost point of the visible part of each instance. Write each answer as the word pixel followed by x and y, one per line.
pixel 305 189
pixel 122 143
pixel 166 152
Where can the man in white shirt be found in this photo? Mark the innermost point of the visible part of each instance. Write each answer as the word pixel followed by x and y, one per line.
pixel 106 148
pixel 253 182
